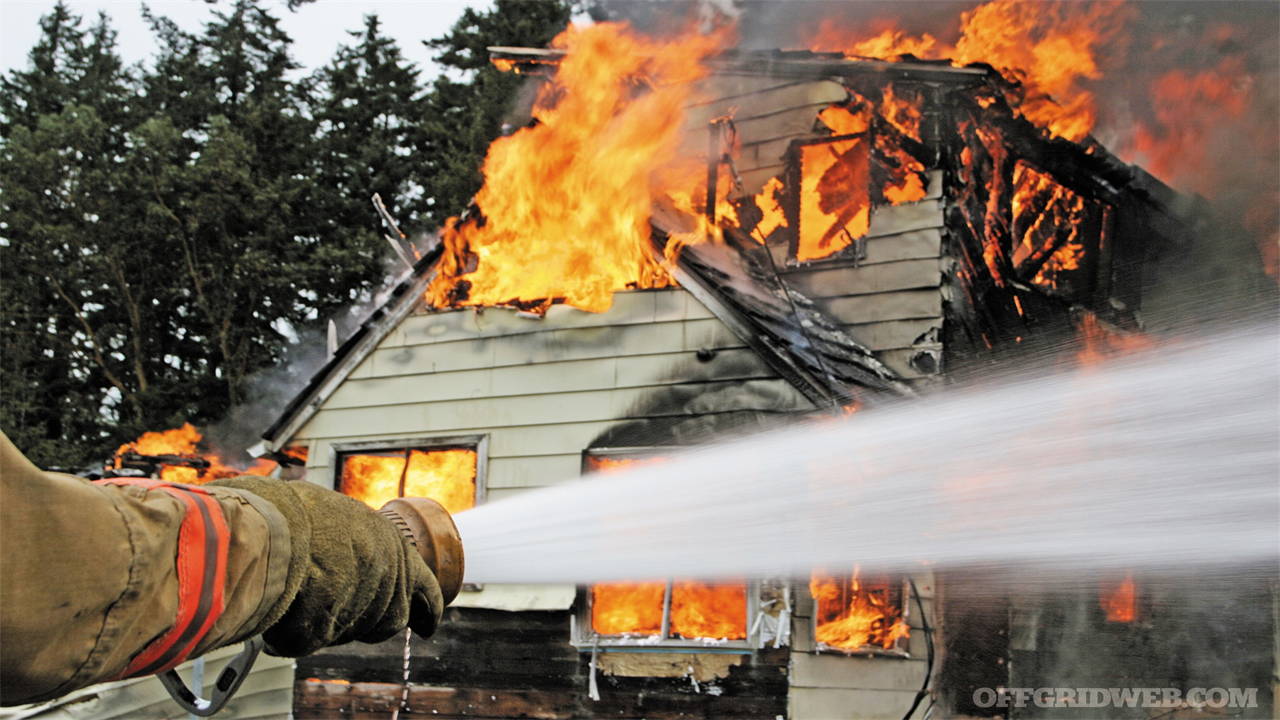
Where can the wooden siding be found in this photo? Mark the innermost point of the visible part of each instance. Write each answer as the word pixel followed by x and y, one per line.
pixel 833 686
pixel 768 112
pixel 543 389
pixel 495 664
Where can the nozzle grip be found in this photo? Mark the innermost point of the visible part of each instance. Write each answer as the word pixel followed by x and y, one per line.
pixel 430 529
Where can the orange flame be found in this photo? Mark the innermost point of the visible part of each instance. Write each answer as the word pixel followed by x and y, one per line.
pixel 1178 143
pixel 835 206
pixel 1051 49
pixel 446 476
pixel 1100 341
pixel 700 610
pixel 564 211
pixel 851 614
pixel 185 441
pixel 1119 601
pixel 627 608
pixel 890 44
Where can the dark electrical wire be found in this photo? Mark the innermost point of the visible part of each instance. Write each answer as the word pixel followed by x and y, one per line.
pixel 928 639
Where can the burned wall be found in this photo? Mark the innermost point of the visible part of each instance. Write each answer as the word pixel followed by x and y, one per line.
pixel 495 664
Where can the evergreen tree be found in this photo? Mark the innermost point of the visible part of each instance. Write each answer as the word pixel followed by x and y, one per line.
pixel 368 104
pixel 68 66
pixel 464 116
pixel 67 314
pixel 153 259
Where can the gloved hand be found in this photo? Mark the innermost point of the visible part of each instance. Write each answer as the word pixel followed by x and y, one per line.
pixel 352 575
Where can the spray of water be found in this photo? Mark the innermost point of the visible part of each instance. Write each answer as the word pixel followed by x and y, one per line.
pixel 1163 460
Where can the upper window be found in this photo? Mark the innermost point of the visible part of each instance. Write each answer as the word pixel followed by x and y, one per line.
pixel 678 612
pixel 448 471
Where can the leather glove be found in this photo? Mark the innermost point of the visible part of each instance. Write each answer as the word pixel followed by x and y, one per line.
pixel 352 575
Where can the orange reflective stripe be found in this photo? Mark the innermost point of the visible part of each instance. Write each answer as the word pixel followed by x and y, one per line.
pixel 203 542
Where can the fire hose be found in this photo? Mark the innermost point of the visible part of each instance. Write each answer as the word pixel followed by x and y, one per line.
pixel 428 528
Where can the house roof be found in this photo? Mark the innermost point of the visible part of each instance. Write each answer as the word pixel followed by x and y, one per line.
pixel 739 281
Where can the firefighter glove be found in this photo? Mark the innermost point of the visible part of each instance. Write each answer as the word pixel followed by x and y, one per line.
pixel 352 576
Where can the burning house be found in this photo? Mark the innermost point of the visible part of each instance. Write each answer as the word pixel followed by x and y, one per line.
pixel 688 244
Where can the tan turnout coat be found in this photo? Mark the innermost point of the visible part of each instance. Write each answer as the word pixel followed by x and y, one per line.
pixel 101 581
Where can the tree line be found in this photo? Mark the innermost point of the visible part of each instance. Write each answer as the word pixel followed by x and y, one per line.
pixel 168 229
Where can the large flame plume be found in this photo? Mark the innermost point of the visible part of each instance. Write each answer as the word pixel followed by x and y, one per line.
pixel 564 211
pixel 1049 49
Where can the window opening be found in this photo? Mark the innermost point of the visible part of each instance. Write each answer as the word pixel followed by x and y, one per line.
pixel 859 614
pixel 679 612
pixel 1119 599
pixel 445 473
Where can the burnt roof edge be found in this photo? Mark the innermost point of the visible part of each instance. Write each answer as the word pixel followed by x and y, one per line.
pixel 781 360
pixel 352 352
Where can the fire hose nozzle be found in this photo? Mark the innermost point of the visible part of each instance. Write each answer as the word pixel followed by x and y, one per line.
pixel 430 529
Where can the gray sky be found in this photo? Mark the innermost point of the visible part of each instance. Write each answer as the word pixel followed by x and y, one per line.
pixel 317 29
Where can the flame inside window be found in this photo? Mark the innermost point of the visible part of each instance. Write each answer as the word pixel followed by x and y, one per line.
pixel 627 608
pixel 835 205
pixel 697 609
pixel 1119 600
pixel 852 613
pixel 700 610
pixel 447 476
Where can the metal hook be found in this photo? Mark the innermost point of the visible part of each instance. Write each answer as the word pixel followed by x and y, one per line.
pixel 228 682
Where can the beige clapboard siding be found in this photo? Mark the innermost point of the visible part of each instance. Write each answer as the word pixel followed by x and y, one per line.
pixel 535 471
pixel 629 308
pixel 899 362
pixel 893 334
pixel 850 704
pixel 470 415
pixel 549 345
pixel 866 280
pixel 768 114
pixel 543 378
pixel 540 390
pixel 904 305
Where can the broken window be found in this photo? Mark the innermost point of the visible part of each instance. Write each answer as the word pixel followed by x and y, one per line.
pixel 672 612
pixel 448 472
pixel 859 614
pixel 834 200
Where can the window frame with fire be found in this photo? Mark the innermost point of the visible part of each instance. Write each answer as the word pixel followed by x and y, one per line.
pixel 899 646
pixel 339 453
pixel 670 607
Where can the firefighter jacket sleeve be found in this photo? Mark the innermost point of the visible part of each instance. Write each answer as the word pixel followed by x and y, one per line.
pixel 114 579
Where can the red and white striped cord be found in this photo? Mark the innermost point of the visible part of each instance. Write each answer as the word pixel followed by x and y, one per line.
pixel 404 692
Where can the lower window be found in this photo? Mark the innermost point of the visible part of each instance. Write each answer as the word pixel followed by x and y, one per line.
pixel 677 612
pixel 859 614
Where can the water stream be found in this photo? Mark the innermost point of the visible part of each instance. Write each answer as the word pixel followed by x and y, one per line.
pixel 1168 459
